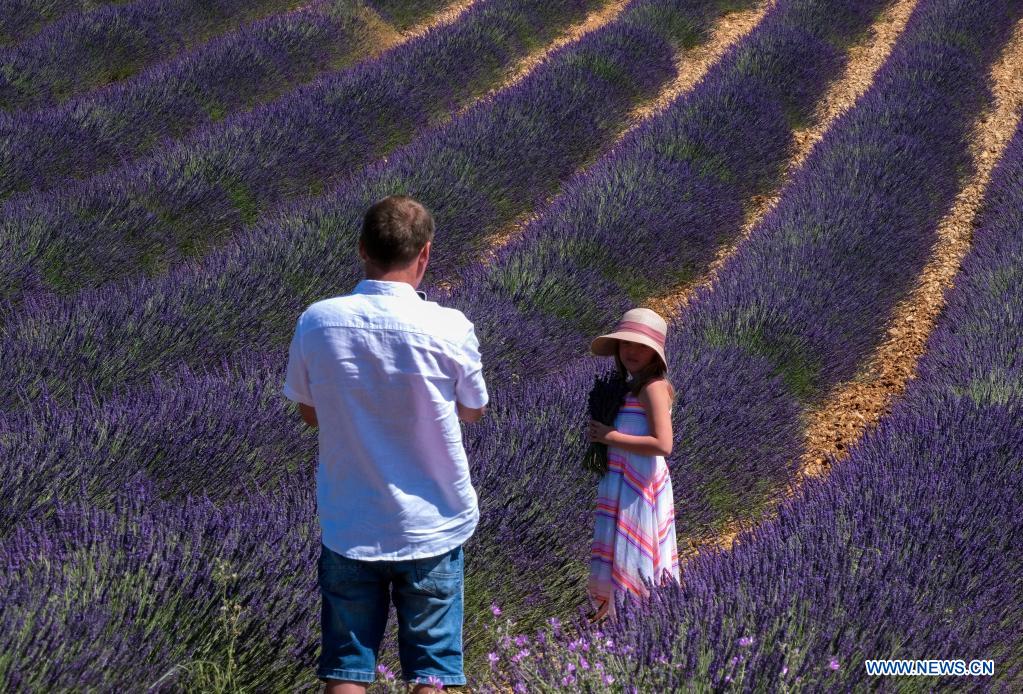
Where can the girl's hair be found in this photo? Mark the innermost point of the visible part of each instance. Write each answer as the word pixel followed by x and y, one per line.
pixel 656 369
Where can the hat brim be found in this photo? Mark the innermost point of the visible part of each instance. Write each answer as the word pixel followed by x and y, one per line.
pixel 607 345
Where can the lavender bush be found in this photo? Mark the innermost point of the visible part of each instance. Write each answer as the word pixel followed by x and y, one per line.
pixel 975 350
pixel 906 551
pixel 238 426
pixel 184 200
pixel 83 51
pixel 22 19
pixel 148 593
pixel 404 13
pixel 43 149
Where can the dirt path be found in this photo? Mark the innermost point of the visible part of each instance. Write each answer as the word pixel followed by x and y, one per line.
pixel 864 60
pixel 856 406
pixel 691 66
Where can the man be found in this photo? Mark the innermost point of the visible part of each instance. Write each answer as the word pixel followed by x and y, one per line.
pixel 386 375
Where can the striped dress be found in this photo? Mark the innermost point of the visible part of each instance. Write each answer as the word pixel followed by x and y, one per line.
pixel 634 532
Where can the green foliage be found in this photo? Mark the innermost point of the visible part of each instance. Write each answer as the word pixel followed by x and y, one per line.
pixel 219 674
pixel 707 163
pixel 996 387
pixel 402 14
pixel 784 352
pixel 244 200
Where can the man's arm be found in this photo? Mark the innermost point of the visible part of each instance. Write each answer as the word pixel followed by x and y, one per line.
pixel 308 414
pixel 466 414
pixel 470 387
pixel 296 380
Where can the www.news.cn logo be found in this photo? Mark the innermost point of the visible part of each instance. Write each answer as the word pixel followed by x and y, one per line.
pixel 931 668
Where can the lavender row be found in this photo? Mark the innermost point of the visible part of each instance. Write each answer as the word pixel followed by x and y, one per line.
pixel 976 350
pixel 142 596
pixel 236 424
pixel 87 50
pixel 477 174
pixel 22 19
pixel 40 150
pixel 404 13
pixel 916 533
pixel 185 199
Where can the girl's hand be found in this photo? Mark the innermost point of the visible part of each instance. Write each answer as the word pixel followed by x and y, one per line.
pixel 598 432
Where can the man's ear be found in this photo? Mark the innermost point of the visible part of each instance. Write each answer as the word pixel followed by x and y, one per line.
pixel 362 250
pixel 424 256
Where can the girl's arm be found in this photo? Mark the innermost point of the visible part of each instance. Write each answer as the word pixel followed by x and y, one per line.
pixel 657 401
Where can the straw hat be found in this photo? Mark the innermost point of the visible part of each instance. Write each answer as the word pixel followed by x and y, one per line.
pixel 637 325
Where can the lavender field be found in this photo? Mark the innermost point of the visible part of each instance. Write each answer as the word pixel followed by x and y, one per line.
pixel 179 180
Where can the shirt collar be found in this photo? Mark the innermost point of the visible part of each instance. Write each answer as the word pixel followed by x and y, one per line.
pixel 386 288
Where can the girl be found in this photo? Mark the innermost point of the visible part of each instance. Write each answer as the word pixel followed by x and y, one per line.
pixel 634 533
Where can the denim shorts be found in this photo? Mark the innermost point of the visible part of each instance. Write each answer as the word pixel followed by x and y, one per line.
pixel 427 595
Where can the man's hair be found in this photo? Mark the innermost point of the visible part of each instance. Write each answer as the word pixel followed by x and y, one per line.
pixel 395 230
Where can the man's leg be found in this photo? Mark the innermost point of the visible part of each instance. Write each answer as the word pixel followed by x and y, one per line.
pixel 353 617
pixel 339 687
pixel 428 596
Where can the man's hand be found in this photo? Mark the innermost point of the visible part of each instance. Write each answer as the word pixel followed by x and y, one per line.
pixel 308 414
pixel 469 414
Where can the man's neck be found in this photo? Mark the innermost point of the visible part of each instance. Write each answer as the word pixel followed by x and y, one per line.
pixel 394 276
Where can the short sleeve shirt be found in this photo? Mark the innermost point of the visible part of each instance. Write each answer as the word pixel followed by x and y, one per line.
pixel 384 369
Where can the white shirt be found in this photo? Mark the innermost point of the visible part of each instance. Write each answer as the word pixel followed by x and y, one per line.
pixel 384 368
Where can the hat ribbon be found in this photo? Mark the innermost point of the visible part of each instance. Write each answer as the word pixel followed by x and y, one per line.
pixel 645 330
